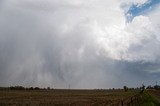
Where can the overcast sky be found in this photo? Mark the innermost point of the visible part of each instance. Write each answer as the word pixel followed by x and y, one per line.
pixel 81 43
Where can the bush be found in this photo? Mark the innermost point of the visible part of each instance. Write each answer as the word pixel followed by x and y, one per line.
pixel 125 88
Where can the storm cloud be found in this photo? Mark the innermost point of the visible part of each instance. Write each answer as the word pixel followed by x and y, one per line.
pixel 84 44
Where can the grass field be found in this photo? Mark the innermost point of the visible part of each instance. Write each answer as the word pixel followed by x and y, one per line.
pixel 155 93
pixel 74 98
pixel 63 97
pixel 147 99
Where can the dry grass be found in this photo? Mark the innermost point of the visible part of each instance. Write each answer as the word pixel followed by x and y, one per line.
pixel 63 97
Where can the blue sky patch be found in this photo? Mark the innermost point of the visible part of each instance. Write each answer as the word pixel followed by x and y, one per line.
pixel 136 10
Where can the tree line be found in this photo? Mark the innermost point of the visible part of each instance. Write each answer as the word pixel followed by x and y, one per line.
pixel 157 87
pixel 23 88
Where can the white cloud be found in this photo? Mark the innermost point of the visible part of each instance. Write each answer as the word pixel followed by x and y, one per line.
pixel 136 2
pixel 132 43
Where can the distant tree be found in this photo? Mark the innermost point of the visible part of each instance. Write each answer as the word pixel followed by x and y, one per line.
pixel 16 88
pixel 31 88
pixel 142 88
pixel 4 88
pixel 157 87
pixel 36 88
pixel 48 88
pixel 149 87
pixel 125 88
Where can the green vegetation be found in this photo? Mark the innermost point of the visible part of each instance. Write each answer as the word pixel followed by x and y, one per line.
pixel 148 100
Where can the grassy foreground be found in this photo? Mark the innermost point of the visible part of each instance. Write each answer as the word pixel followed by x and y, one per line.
pixel 148 100
pixel 63 97
pixel 58 97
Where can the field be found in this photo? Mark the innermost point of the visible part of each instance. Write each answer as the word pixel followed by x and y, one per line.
pixel 155 94
pixel 70 98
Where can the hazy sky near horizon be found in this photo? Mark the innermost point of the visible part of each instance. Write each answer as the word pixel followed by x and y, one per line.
pixel 81 43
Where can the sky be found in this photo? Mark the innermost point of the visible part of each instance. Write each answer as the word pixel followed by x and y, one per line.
pixel 79 43
pixel 136 10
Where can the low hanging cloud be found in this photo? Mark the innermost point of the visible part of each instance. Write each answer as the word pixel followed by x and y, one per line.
pixel 84 44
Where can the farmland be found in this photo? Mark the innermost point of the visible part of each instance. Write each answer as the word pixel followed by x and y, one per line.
pixel 63 97
pixel 59 97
